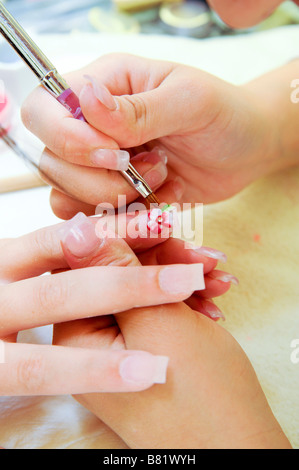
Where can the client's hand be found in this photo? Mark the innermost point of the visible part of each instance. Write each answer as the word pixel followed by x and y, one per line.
pixel 29 300
pixel 212 397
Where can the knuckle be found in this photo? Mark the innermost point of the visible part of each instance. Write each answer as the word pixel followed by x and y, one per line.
pixel 139 117
pixel 26 114
pixel 53 291
pixel 45 242
pixel 31 373
pixel 61 142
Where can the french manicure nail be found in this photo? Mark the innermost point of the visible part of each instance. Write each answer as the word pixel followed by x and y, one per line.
pixel 102 93
pixel 154 156
pixel 211 310
pixel 156 175
pixel 162 154
pixel 211 253
pixel 178 187
pixel 111 159
pixel 144 368
pixel 182 279
pixel 79 237
pixel 224 277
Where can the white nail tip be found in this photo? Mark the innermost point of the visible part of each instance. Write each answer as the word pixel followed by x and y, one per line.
pixel 182 279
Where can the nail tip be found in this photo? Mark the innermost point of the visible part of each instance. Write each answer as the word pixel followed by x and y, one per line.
pixel 161 369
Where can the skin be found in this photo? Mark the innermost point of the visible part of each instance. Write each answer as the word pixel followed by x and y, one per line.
pixel 30 300
pixel 229 136
pixel 212 392
pixel 244 13
pixel 218 125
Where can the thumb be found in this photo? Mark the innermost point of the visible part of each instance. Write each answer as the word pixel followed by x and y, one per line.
pixel 138 118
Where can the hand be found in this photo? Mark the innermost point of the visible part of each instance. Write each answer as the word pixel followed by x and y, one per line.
pixel 29 299
pixel 245 14
pixel 211 399
pixel 217 137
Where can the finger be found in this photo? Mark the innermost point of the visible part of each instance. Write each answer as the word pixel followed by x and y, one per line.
pixel 177 251
pixel 73 140
pixel 94 186
pixel 39 252
pixel 56 370
pixel 174 251
pixel 66 207
pixel 147 112
pixel 205 307
pixel 244 14
pixel 77 141
pixel 214 287
pixel 91 292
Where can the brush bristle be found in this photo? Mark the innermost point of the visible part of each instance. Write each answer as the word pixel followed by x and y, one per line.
pixel 152 199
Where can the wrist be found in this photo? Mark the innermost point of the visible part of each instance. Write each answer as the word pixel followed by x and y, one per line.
pixel 271 95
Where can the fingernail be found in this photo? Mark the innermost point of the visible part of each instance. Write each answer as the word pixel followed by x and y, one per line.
pixel 102 93
pixel 154 156
pixel 211 253
pixel 224 277
pixel 178 187
pixel 182 279
pixel 144 368
pixel 211 310
pixel 79 237
pixel 111 159
pixel 161 154
pixel 156 175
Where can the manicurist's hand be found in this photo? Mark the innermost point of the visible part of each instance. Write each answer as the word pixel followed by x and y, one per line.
pixel 211 398
pixel 194 137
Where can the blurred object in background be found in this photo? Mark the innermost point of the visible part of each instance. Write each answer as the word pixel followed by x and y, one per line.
pixel 191 18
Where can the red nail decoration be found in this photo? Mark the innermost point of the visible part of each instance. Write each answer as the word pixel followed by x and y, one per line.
pixel 159 219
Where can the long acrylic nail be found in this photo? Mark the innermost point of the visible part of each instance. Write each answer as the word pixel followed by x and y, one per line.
pixel 156 175
pixel 182 279
pixel 224 277
pixel 102 93
pixel 111 159
pixel 178 187
pixel 211 310
pixel 79 237
pixel 154 156
pixel 211 253
pixel 144 368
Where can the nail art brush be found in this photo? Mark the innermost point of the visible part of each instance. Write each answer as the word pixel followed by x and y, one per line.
pixel 55 84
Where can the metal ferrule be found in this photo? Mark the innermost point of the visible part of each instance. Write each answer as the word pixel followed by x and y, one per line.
pixel 133 177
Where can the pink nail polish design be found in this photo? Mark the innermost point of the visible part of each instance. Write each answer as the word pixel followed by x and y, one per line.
pixel 159 219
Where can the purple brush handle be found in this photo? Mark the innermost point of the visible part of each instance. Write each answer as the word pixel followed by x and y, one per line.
pixel 70 101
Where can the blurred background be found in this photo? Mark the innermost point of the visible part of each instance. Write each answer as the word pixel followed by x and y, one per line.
pixel 191 18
